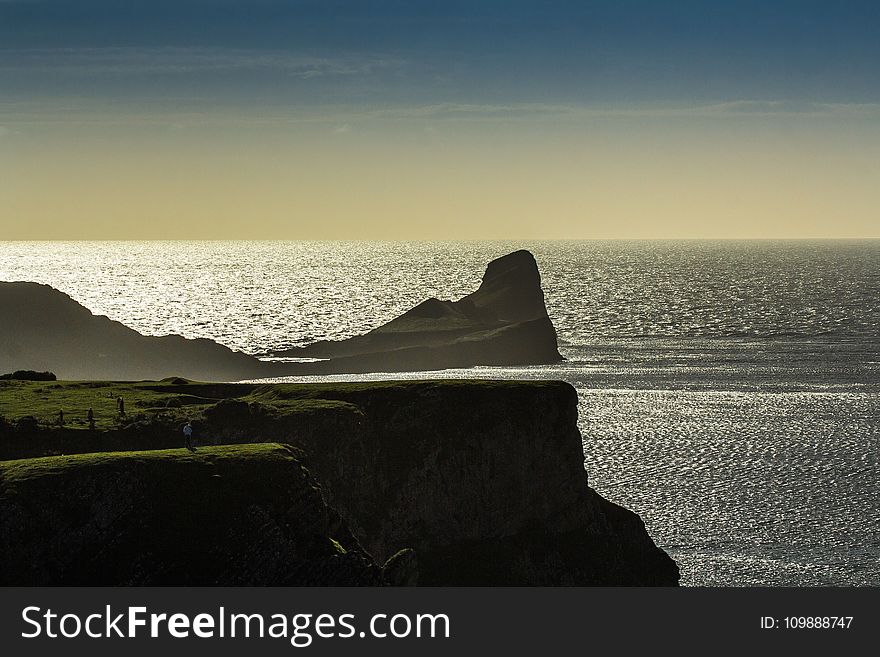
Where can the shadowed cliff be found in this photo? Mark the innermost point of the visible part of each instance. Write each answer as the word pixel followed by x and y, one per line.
pixel 235 515
pixel 484 480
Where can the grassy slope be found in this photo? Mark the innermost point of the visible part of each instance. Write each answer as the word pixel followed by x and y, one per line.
pixel 22 469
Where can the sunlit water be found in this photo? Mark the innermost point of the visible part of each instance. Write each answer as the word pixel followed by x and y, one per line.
pixel 728 391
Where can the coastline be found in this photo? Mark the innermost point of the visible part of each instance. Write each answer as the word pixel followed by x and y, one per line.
pixel 445 469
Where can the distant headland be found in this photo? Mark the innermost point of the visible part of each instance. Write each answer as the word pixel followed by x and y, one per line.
pixel 504 322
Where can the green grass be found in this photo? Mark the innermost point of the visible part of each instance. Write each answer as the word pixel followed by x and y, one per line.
pixel 43 399
pixel 23 469
pixel 328 390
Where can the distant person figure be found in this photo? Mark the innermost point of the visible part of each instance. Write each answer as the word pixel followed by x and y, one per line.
pixel 60 418
pixel 120 405
pixel 188 436
pixel 91 418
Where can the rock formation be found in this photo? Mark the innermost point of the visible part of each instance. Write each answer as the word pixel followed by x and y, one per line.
pixel 484 481
pixel 239 515
pixel 446 482
pixel 44 329
pixel 503 323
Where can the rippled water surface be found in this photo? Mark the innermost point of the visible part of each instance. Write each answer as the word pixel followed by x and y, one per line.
pixel 728 391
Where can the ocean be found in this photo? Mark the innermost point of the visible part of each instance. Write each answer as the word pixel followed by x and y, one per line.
pixel 728 390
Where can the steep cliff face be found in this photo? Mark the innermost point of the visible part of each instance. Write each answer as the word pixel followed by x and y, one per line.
pixel 238 515
pixel 484 480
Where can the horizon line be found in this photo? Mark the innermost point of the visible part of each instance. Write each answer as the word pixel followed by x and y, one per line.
pixel 464 239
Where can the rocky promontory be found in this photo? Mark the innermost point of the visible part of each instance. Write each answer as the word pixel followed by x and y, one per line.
pixel 444 482
pixel 44 329
pixel 503 323
pixel 482 480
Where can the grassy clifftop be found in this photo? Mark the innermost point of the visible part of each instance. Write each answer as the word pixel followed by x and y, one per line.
pixel 49 418
pixel 43 400
pixel 19 471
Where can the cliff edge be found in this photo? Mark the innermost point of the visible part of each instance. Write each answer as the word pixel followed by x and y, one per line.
pixel 233 515
pixel 483 480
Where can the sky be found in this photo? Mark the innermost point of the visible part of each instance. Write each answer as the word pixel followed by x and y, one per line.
pixel 415 119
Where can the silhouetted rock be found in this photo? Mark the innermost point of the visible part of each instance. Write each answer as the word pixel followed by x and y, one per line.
pixel 504 322
pixel 484 480
pixel 43 328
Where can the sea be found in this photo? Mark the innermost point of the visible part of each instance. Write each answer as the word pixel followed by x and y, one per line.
pixel 729 391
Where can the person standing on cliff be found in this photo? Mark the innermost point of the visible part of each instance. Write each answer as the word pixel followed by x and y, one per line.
pixel 187 435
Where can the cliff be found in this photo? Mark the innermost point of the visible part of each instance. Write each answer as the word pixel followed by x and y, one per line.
pixel 235 515
pixel 484 480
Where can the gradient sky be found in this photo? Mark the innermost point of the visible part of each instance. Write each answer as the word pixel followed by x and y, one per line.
pixel 407 119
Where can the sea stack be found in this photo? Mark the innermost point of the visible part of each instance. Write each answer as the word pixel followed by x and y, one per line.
pixel 505 322
pixel 511 289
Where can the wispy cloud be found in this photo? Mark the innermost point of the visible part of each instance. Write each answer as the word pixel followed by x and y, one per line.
pixel 735 108
pixel 167 60
pixel 787 108
pixel 197 111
